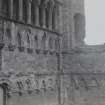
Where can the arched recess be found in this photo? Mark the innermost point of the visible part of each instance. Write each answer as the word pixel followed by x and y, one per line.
pixel 54 16
pixel 5 8
pixel 57 44
pixel 51 43
pixel 19 39
pixel 79 27
pixel 25 10
pixel 49 8
pixel 28 40
pixel 47 15
pixel 43 41
pixel 36 42
pixel 9 36
pixel 42 7
pixel 15 9
pixel 33 11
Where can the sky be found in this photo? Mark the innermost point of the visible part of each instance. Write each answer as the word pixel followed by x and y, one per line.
pixel 95 21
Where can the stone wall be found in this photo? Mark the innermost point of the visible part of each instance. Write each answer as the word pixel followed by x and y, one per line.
pixel 71 8
pixel 84 72
pixel 29 64
pixel 30 61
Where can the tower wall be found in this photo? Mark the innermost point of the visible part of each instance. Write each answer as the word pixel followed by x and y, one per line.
pixel 73 20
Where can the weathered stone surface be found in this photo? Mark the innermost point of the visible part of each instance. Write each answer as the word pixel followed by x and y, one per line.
pixel 37 70
pixel 85 70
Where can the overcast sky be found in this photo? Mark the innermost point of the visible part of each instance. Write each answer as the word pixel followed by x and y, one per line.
pixel 95 21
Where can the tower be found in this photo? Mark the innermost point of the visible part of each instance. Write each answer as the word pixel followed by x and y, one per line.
pixel 73 23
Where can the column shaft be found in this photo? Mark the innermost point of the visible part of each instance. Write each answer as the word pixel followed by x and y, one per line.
pixel 43 18
pixel 36 15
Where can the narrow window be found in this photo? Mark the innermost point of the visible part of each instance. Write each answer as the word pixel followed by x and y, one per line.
pixel 50 43
pixel 57 44
pixel 15 9
pixel 25 11
pixel 54 18
pixel 49 8
pixel 40 16
pixel 9 37
pixel 44 41
pixel 33 12
pixel 5 8
pixel 42 12
pixel 48 14
pixel 19 40
pixel 47 17
pixel 36 41
pixel 28 41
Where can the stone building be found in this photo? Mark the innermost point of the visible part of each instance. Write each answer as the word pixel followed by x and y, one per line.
pixel 43 57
